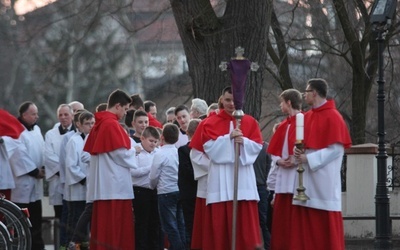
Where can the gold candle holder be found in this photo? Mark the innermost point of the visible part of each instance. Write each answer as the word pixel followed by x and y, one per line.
pixel 301 194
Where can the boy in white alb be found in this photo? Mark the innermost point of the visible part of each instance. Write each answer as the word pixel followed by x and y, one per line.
pixel 75 169
pixel 164 176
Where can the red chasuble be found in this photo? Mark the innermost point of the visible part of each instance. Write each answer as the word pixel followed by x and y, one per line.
pixel 107 135
pixel 153 121
pixel 278 138
pixel 219 125
pixel 9 125
pixel 325 118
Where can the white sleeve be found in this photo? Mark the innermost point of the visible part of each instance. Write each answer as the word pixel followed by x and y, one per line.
pixel 200 163
pixel 155 170
pixel 320 158
pixel 124 157
pixel 222 150
pixel 51 158
pixel 73 172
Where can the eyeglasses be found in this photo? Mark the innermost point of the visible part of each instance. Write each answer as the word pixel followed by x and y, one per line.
pixel 308 90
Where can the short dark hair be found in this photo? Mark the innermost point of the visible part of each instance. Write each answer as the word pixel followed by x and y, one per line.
pixel 227 89
pixel 170 133
pixel 180 108
pixel 148 104
pixel 193 124
pixel 137 101
pixel 129 117
pixel 294 96
pixel 101 107
pixel 319 85
pixel 139 113
pixel 77 114
pixel 85 115
pixel 151 131
pixel 118 97
pixel 24 107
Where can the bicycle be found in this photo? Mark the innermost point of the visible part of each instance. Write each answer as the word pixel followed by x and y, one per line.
pixel 16 223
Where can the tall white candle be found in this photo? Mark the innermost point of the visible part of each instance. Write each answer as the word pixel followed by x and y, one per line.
pixel 299 127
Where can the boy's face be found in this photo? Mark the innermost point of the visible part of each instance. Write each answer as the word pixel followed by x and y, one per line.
pixel 140 123
pixel 227 102
pixel 87 125
pixel 183 118
pixel 285 106
pixel 121 110
pixel 149 143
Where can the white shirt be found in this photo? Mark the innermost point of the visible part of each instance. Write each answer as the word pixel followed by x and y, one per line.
pixel 164 170
pixel 183 139
pixel 140 176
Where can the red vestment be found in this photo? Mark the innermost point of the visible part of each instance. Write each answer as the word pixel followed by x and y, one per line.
pixel 319 228
pixel 324 126
pixel 217 219
pixel 106 135
pixel 112 220
pixel 9 125
pixel 153 121
pixel 276 143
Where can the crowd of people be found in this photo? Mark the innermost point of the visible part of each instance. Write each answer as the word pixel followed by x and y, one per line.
pixel 120 179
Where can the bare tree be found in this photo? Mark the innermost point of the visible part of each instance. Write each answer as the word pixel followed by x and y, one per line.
pixel 210 34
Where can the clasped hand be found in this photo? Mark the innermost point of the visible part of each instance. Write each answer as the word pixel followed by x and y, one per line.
pixel 237 136
pixel 300 155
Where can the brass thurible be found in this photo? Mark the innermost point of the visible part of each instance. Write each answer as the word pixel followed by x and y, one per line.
pixel 301 190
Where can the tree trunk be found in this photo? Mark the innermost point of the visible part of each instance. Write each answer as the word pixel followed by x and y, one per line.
pixel 209 39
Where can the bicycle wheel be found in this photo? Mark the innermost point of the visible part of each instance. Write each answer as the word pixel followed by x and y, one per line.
pixel 5 240
pixel 17 225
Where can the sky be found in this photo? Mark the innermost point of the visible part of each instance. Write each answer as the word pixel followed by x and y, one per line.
pixel 24 6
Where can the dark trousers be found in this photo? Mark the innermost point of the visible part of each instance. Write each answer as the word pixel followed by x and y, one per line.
pixel 35 212
pixel 263 214
pixel 171 218
pixel 64 237
pixel 188 206
pixel 270 210
pixel 147 222
pixel 75 209
pixel 81 231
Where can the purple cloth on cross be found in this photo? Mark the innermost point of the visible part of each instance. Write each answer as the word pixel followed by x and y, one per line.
pixel 238 70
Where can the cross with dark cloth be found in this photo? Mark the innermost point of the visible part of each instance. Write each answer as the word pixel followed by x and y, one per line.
pixel 238 67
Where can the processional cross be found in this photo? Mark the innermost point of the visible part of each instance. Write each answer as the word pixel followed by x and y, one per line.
pixel 239 67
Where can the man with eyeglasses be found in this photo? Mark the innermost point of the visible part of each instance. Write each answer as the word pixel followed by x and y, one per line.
pixel 320 217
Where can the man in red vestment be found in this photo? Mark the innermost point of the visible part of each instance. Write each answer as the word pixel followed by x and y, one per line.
pixel 319 220
pixel 219 136
pixel 109 183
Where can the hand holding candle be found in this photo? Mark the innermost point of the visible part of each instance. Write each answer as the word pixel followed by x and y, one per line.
pixel 299 127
